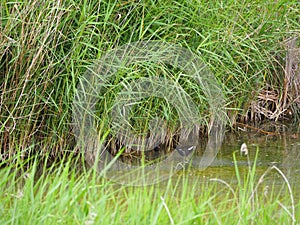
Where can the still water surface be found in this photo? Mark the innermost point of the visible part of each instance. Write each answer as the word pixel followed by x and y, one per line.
pixel 280 150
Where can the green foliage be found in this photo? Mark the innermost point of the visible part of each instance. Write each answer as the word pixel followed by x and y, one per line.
pixel 47 45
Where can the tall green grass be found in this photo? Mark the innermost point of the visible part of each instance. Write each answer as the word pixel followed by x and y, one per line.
pixel 47 45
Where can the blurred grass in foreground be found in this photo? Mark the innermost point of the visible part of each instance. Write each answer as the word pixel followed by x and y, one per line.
pixel 66 193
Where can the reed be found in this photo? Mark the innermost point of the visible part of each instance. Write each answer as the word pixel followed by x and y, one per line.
pixel 47 46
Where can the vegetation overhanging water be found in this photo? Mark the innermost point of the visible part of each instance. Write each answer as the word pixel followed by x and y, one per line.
pixel 252 48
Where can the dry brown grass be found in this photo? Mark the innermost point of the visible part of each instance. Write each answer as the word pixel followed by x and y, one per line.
pixel 282 101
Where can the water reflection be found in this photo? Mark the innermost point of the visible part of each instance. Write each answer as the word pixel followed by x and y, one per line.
pixel 282 150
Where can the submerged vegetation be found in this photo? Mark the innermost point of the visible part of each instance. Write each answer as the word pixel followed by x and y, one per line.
pixel 251 47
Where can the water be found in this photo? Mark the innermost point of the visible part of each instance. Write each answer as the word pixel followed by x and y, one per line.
pixel 281 150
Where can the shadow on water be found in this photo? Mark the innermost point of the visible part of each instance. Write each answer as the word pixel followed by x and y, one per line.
pixel 280 148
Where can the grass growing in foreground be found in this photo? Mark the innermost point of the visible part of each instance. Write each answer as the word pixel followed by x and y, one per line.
pixel 64 194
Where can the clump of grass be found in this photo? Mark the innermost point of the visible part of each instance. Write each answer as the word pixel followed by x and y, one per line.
pixel 46 48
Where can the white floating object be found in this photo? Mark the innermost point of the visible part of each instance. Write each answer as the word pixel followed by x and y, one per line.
pixel 244 149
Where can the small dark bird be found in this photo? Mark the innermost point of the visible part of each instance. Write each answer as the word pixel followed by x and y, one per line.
pixel 186 150
pixel 157 148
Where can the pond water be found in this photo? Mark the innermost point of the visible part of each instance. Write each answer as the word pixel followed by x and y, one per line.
pixel 281 150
